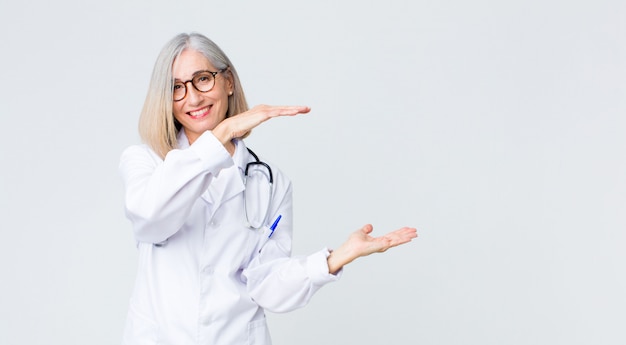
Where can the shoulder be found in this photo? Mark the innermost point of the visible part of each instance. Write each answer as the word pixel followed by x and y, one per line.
pixel 138 153
pixel 138 150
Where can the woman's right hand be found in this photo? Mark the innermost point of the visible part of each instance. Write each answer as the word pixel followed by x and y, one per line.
pixel 237 126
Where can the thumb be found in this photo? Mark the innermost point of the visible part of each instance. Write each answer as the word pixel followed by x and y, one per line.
pixel 367 229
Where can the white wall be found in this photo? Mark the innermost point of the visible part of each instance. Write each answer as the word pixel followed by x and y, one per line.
pixel 494 127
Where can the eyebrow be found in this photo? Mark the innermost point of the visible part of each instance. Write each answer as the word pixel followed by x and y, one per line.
pixel 195 74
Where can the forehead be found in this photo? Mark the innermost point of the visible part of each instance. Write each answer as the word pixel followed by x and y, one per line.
pixel 189 62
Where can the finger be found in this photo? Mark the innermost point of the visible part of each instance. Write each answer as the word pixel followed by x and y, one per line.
pixel 401 236
pixel 281 109
pixel 300 108
pixel 405 231
pixel 290 110
pixel 404 236
pixel 367 229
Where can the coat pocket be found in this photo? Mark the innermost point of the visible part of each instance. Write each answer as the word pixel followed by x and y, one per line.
pixel 140 330
pixel 258 334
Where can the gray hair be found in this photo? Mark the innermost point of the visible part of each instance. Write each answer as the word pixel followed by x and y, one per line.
pixel 157 126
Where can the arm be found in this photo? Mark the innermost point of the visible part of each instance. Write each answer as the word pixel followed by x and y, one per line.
pixel 280 283
pixel 160 193
pixel 274 279
pixel 285 284
pixel 240 125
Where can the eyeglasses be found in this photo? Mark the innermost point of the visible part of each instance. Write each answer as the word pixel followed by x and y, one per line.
pixel 202 81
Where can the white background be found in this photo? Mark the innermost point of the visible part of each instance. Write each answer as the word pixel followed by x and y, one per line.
pixel 496 128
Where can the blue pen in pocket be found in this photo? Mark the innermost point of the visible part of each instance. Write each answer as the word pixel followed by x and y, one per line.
pixel 273 227
pixel 269 232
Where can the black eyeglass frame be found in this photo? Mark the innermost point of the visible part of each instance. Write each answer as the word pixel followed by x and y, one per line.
pixel 184 83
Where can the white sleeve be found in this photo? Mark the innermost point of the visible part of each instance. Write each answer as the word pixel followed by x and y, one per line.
pixel 160 193
pixel 285 284
pixel 275 280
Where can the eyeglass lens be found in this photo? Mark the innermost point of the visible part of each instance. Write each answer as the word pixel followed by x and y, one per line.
pixel 202 82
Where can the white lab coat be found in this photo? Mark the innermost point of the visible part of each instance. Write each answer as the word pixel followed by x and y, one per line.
pixel 202 278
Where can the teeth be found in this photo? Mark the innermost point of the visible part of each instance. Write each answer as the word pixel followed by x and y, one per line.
pixel 198 112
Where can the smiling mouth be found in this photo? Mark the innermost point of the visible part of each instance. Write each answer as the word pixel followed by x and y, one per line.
pixel 200 113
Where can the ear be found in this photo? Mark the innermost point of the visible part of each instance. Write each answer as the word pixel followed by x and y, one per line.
pixel 230 81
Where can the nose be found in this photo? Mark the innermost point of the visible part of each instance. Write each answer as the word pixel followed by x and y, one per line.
pixel 193 95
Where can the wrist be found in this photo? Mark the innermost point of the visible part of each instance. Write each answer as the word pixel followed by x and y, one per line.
pixel 338 258
pixel 222 133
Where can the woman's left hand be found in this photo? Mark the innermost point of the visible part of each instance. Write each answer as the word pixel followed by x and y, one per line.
pixel 239 125
pixel 361 243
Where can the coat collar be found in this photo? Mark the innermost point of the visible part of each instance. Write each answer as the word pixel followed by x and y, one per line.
pixel 229 182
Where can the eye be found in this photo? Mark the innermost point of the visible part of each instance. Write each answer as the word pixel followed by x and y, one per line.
pixel 178 86
pixel 204 78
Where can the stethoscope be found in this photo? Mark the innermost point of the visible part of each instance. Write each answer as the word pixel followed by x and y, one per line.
pixel 257 163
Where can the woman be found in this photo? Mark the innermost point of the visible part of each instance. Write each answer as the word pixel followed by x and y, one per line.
pixel 206 274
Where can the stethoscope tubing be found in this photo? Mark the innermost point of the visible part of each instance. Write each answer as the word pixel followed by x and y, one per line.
pixel 257 161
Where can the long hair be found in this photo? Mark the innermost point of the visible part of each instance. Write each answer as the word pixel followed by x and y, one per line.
pixel 157 126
